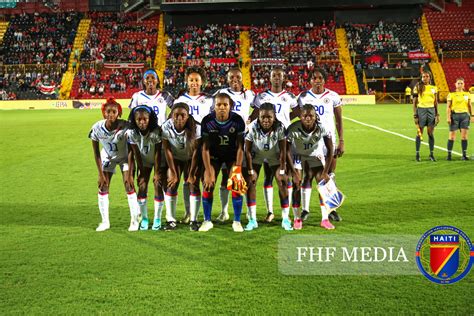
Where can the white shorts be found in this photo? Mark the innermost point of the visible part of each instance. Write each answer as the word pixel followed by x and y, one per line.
pixel 313 162
pixel 108 165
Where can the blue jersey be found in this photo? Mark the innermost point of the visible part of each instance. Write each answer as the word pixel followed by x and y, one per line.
pixel 222 137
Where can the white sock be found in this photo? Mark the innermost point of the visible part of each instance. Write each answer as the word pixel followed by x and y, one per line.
pixel 186 194
pixel 285 212
pixel 324 210
pixel 158 208
pixel 224 195
pixel 252 212
pixel 133 204
pixel 305 198
pixel 104 207
pixel 290 194
pixel 170 202
pixel 195 203
pixel 268 196
pixel 296 212
pixel 143 207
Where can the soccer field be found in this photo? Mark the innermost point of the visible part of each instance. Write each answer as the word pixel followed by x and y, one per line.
pixel 53 261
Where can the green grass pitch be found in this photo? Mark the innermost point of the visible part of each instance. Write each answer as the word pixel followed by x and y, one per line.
pixel 53 261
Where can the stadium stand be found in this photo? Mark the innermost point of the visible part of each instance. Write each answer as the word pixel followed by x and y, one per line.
pixel 116 48
pixel 300 49
pixel 40 45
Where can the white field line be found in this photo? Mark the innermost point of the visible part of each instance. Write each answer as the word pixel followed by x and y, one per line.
pixel 396 134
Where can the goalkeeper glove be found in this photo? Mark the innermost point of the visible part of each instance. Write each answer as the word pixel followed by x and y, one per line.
pixel 236 181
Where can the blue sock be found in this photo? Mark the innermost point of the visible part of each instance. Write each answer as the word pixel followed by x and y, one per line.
pixel 237 201
pixel 207 199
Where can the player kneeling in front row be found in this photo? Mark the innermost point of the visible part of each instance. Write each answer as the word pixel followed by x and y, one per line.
pixel 304 139
pixel 181 143
pixel 144 137
pixel 110 133
pixel 223 138
pixel 266 141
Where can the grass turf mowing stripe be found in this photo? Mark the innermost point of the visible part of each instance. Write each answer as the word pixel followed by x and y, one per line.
pixel 396 134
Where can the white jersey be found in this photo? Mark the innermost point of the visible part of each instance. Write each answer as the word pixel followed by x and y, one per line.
pixel 146 144
pixel 114 144
pixel 158 102
pixel 179 144
pixel 199 106
pixel 324 104
pixel 306 144
pixel 242 101
pixel 265 145
pixel 284 102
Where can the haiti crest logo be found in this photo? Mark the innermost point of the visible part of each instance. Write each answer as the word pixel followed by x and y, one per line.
pixel 444 254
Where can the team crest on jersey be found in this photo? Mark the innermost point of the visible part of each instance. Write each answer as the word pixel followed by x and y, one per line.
pixel 231 130
pixel 326 100
pixel 160 100
pixel 444 254
pixel 284 99
pixel 202 101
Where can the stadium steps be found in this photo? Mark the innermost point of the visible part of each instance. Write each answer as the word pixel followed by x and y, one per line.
pixel 68 77
pixel 161 51
pixel 3 30
pixel 435 66
pixel 352 87
pixel 246 60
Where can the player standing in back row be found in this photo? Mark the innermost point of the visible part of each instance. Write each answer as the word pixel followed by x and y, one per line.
pixel 328 106
pixel 152 97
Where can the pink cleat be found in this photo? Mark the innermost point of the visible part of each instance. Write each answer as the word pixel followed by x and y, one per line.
pixel 298 224
pixel 327 224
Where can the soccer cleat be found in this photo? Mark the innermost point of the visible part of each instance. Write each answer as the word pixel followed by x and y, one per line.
pixel 269 217
pixel 144 224
pixel 251 225
pixel 170 226
pixel 417 157
pixel 465 158
pixel 102 227
pixel 206 226
pixel 193 226
pixel 286 224
pixel 449 158
pixel 134 224
pixel 186 219
pixel 298 224
pixel 327 224
pixel 304 215
pixel 334 216
pixel 156 224
pixel 223 217
pixel 432 158
pixel 237 227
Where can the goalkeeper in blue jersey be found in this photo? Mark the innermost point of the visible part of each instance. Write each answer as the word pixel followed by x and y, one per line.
pixel 223 140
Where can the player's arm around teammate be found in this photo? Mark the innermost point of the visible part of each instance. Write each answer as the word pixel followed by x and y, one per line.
pixel 110 133
pixel 266 141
